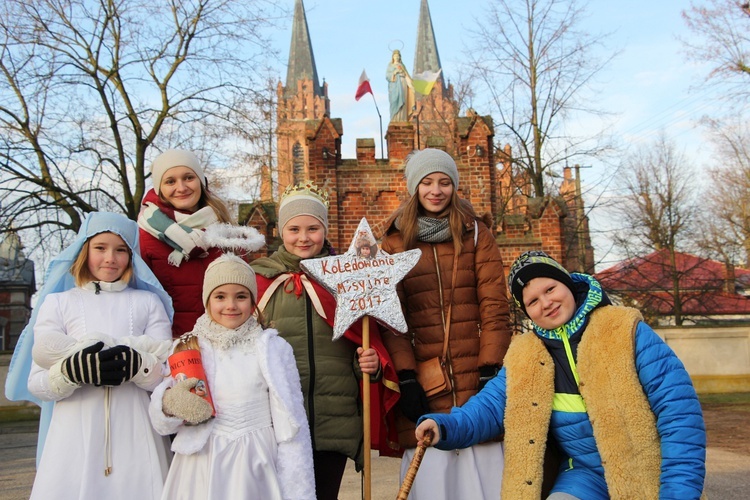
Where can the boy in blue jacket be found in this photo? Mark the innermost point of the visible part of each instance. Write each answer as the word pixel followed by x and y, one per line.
pixel 594 383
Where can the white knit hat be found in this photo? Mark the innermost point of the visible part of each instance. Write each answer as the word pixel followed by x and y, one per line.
pixel 422 163
pixel 175 158
pixel 304 198
pixel 229 269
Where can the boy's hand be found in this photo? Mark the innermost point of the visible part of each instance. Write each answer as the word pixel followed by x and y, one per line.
pixel 427 427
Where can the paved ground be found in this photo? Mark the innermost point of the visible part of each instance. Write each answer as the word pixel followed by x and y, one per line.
pixel 728 471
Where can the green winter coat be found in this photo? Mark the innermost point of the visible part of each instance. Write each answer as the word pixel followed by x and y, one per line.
pixel 327 369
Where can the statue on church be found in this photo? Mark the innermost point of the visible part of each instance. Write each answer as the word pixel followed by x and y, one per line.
pixel 400 89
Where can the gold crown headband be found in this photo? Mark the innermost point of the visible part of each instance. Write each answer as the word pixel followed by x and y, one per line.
pixel 306 188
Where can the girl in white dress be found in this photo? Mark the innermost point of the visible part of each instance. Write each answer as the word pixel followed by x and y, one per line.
pixel 258 444
pixel 100 338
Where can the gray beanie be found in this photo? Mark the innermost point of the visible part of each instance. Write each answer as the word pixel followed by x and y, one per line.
pixel 175 158
pixel 422 163
pixel 229 269
pixel 304 198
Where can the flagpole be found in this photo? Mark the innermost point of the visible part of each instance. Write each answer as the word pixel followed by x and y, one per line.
pixel 363 88
pixel 380 118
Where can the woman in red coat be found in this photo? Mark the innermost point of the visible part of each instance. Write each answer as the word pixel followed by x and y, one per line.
pixel 172 223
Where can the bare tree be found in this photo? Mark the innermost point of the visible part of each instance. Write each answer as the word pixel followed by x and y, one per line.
pixel 721 37
pixel 657 212
pixel 537 65
pixel 726 223
pixel 90 87
pixel 241 180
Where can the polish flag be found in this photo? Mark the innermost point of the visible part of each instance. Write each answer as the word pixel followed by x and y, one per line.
pixel 364 86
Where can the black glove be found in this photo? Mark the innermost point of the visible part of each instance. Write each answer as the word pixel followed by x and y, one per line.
pixel 486 373
pixel 413 401
pixel 118 365
pixel 93 365
pixel 83 366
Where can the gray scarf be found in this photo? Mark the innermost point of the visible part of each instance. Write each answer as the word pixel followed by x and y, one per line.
pixel 430 230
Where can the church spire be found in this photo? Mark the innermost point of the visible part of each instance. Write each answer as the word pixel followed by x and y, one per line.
pixel 301 59
pixel 427 57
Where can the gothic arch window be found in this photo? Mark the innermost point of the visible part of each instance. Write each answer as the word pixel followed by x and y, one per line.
pixel 298 163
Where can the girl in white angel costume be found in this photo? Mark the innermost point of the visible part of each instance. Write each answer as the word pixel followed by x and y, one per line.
pixel 94 348
pixel 258 444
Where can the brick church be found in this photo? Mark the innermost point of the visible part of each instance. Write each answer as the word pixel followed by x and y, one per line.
pixel 309 147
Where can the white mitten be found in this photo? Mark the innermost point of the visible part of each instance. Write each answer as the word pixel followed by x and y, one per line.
pixel 181 403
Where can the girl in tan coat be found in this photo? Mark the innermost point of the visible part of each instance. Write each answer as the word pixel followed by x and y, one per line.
pixel 457 289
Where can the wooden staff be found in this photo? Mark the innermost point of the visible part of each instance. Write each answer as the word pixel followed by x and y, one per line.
pixel 366 410
pixel 416 460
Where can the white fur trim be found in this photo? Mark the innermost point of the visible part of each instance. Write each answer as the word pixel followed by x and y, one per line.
pixel 190 438
pixel 235 238
pixel 163 424
pixel 153 354
pixel 294 462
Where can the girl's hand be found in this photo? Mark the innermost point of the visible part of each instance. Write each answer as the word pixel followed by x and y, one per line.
pixel 427 426
pixel 369 361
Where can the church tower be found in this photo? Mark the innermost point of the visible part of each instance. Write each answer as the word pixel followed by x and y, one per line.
pixel 435 114
pixel 302 104
pixel 309 148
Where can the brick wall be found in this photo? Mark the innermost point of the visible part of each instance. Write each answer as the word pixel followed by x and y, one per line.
pixel 374 188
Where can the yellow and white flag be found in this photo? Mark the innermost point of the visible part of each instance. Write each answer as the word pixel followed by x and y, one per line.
pixel 424 81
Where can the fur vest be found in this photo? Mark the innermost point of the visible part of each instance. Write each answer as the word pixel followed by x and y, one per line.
pixel 626 435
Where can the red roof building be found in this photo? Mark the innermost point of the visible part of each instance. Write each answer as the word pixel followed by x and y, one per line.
pixel 705 290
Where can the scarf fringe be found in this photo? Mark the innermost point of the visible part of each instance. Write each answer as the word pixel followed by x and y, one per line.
pixel 176 257
pixel 183 233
